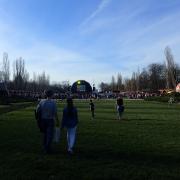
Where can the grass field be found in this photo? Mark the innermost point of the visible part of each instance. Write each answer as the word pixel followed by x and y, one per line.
pixel 14 106
pixel 145 145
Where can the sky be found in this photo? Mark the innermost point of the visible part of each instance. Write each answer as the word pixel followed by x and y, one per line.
pixel 89 39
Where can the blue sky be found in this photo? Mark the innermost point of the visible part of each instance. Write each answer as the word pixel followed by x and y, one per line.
pixel 89 39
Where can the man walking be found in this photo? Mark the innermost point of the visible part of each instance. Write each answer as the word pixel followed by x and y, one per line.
pixel 48 113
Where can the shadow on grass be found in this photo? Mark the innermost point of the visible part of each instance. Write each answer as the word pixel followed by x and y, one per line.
pixel 129 157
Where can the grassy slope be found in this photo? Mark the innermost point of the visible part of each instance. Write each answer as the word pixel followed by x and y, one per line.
pixel 145 145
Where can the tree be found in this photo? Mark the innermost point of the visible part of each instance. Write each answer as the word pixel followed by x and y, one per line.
pixel 137 75
pixel 5 68
pixel 20 75
pixel 43 81
pixel 1 76
pixel 154 75
pixel 113 84
pixel 66 86
pixel 144 80
pixel 105 87
pixel 177 74
pixel 127 84
pixel 119 82
pixel 171 69
pixel 133 82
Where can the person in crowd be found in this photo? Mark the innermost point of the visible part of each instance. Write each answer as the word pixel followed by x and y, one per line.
pixel 47 110
pixel 120 107
pixel 70 121
pixel 92 108
pixel 171 100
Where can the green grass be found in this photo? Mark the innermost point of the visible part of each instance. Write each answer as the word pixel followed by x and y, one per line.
pixel 145 145
pixel 14 106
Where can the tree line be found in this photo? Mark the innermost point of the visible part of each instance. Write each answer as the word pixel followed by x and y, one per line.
pixel 151 78
pixel 21 79
pixel 154 77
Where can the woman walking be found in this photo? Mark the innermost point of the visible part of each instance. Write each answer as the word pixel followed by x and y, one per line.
pixel 70 121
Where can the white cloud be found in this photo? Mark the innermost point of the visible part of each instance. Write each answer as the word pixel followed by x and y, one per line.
pixel 100 8
pixel 123 44
pixel 114 22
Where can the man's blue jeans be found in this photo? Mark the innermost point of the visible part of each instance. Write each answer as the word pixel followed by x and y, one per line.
pixel 48 126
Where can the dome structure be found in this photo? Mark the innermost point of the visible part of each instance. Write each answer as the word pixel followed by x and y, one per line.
pixel 81 86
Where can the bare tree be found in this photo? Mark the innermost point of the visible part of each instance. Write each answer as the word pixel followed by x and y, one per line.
pixel 65 86
pixel 133 82
pixel 43 81
pixel 20 75
pixel 5 68
pixel 105 87
pixel 113 83
pixel 177 73
pixel 144 80
pixel 137 79
pixel 171 70
pixel 154 76
pixel 119 82
pixel 1 76
pixel 127 84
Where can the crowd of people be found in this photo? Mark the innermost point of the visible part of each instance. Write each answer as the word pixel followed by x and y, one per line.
pixel 48 121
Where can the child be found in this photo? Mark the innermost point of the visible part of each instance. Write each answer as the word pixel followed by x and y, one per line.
pixel 91 104
pixel 120 107
pixel 171 100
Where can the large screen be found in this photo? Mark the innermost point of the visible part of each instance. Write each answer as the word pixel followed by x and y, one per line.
pixel 81 88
